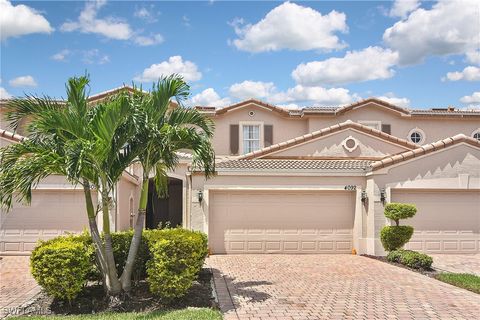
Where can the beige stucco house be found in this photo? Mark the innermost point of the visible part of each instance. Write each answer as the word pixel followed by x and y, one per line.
pixel 312 180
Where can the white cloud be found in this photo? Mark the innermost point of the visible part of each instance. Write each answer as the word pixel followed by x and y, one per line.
pixel 251 89
pixel 473 56
pixel 174 64
pixel 474 98
pixel 356 66
pixel 401 8
pixel 392 99
pixel 291 26
pixel 148 14
pixel 89 23
pixel 449 27
pixel 61 55
pixel 315 96
pixel 4 93
pixel 21 20
pixel 94 56
pixel 23 81
pixel 470 73
pixel 209 97
pixel 148 41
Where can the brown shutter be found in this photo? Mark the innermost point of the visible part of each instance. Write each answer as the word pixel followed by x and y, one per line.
pixel 234 139
pixel 386 128
pixel 267 135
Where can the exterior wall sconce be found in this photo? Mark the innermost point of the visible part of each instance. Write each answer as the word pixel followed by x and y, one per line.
pixel 383 197
pixel 200 196
pixel 364 196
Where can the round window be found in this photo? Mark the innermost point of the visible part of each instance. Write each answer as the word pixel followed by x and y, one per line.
pixel 416 137
pixel 350 143
pixel 476 135
pixel 251 113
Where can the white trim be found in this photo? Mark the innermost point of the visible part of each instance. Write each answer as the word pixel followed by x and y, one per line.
pixel 422 133
pixel 241 124
pixel 355 145
pixel 276 188
pixel 474 132
pixel 368 123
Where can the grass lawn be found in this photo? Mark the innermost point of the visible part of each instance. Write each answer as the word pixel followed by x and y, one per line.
pixel 185 314
pixel 463 280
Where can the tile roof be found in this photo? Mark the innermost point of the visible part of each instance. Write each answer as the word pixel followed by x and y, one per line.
pixel 329 130
pixel 275 164
pixel 338 110
pixel 423 150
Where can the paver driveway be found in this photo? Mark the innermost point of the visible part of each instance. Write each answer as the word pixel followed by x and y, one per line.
pixel 332 287
pixel 17 286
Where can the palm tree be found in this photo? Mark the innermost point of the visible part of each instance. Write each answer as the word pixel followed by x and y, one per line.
pixel 93 145
pixel 85 144
pixel 163 131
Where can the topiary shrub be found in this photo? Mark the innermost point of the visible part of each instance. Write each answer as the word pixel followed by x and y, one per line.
pixel 410 258
pixel 395 237
pixel 177 256
pixel 61 266
pixel 397 211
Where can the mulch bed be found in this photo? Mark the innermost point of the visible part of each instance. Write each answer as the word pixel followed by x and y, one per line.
pixel 429 273
pixel 92 300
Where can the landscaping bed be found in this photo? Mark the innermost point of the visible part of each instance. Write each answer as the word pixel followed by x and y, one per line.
pixel 427 272
pixel 92 300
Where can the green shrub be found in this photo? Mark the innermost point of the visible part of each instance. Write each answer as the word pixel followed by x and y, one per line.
pixel 397 211
pixel 177 256
pixel 412 259
pixel 121 245
pixel 61 266
pixel 395 237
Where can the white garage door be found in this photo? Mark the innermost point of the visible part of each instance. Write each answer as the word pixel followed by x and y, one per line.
pixel 281 221
pixel 51 213
pixel 446 221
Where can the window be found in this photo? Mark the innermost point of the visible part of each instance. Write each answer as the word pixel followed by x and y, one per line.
pixel 476 135
pixel 251 138
pixel 416 136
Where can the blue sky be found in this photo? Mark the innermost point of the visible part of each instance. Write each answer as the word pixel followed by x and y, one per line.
pixel 411 53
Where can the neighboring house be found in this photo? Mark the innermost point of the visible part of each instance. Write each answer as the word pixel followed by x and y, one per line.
pixel 315 180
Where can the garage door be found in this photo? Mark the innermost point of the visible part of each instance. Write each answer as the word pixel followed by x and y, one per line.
pixel 281 221
pixel 51 213
pixel 446 221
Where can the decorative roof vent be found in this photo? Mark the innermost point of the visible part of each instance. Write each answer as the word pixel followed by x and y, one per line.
pixel 350 144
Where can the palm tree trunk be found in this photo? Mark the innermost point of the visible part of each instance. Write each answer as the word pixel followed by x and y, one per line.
pixel 126 278
pixel 114 286
pixel 94 233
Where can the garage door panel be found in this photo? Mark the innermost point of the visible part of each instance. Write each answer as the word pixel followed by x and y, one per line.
pixel 446 221
pixel 52 213
pixel 296 222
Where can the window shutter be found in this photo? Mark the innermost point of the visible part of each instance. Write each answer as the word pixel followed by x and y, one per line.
pixel 267 135
pixel 386 128
pixel 234 141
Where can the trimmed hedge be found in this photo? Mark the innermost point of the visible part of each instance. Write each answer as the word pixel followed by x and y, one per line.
pixel 62 266
pixel 177 258
pixel 395 237
pixel 398 211
pixel 410 258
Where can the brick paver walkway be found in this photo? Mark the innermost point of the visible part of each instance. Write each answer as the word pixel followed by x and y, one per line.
pixel 332 287
pixel 460 263
pixel 16 284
